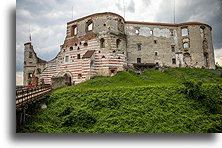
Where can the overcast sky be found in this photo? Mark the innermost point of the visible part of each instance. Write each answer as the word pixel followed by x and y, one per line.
pixel 47 19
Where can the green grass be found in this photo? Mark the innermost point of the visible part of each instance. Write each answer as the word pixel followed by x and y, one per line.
pixel 218 67
pixel 153 102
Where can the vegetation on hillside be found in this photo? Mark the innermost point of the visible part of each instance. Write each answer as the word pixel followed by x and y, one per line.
pixel 178 100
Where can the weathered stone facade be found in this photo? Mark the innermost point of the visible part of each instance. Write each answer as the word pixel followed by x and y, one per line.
pixel 104 43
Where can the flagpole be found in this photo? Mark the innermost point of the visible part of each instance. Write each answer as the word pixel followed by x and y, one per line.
pixel 174 12
pixel 30 38
pixel 72 12
pixel 124 8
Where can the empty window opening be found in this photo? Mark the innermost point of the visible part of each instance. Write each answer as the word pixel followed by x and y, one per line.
pixel 138 60
pixel 30 54
pixel 137 31
pixel 103 57
pixel 78 56
pixel 29 75
pixel 205 46
pixel 80 43
pixel 139 47
pixel 91 63
pixel 187 59
pixel 104 24
pixel 171 32
pixel 151 32
pixel 99 51
pixel 66 58
pixel 119 58
pixel 102 43
pixel 112 71
pixel 38 71
pixel 173 61
pixel 118 43
pixel 155 41
pixel 173 48
pixel 202 29
pixel 78 48
pixel 156 53
pixel 74 30
pixel 114 51
pixel 206 59
pixel 184 31
pixel 71 48
pixel 79 76
pixel 85 44
pixel 89 25
pixel 185 45
pixel 120 25
pixel 75 44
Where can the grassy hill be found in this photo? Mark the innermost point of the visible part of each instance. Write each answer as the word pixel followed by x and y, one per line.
pixel 178 100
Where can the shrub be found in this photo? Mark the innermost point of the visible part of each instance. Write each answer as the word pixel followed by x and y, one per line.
pixel 208 95
pixel 193 89
pixel 79 118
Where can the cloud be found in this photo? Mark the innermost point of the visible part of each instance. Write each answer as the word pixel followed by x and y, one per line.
pixel 47 19
pixel 19 78
pixel 147 2
pixel 131 6
pixel 204 11
pixel 218 56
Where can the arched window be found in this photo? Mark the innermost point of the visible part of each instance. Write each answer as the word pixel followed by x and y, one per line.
pixel 184 31
pixel 185 45
pixel 139 46
pixel 30 54
pixel 205 46
pixel 74 30
pixel 202 29
pixel 118 43
pixel 89 25
pixel 102 43
pixel 71 48
pixel 79 76
pixel 85 44
pixel 103 57
pixel 120 25
pixel 173 61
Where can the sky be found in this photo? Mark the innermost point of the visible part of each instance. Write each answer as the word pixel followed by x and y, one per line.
pixel 46 20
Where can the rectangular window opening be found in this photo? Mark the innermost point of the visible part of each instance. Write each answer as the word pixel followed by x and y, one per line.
pixel 184 31
pixel 173 61
pixel 173 48
pixel 139 47
pixel 138 60
pixel 66 58
pixel 78 56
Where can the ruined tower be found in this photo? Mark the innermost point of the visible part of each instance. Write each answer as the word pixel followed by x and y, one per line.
pixel 32 63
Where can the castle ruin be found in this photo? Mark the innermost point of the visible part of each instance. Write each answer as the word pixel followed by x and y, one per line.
pixel 104 43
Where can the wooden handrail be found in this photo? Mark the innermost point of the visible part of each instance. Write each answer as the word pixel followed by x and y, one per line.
pixel 28 95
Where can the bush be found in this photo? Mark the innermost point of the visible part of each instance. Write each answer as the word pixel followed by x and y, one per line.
pixel 193 89
pixel 208 95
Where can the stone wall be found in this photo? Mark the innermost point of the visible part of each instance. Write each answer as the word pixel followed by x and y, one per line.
pixel 117 44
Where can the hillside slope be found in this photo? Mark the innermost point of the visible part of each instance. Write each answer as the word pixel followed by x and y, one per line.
pixel 172 101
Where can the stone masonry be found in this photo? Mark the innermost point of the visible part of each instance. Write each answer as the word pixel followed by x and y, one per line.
pixel 102 44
